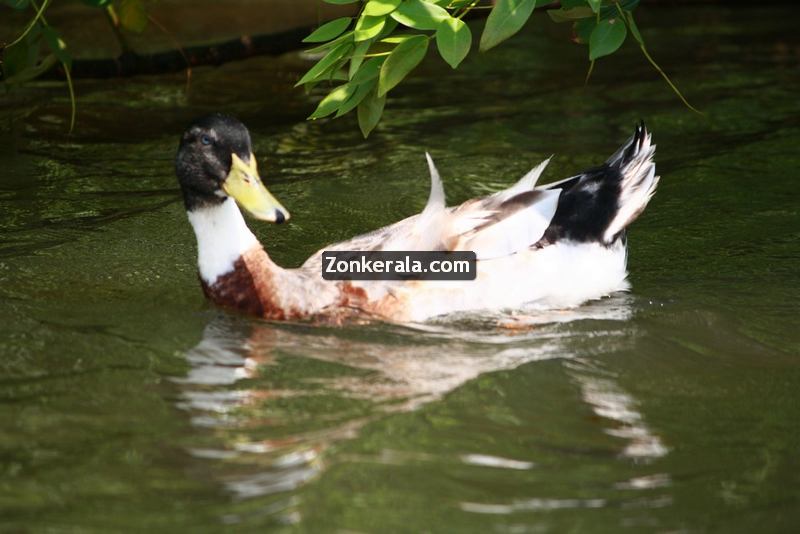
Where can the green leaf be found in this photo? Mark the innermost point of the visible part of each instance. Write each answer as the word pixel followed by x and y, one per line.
pixel 583 30
pixel 32 72
pixel 329 30
pixel 330 59
pixel 57 45
pixel 606 38
pixel 355 99
pixel 595 4
pixel 568 15
pixel 569 4
pixel 358 57
pixel 454 4
pixel 16 59
pixel 376 8
pixel 333 100
pixel 22 57
pixel 132 15
pixel 634 28
pixel 340 2
pixel 17 4
pixel 612 10
pixel 388 28
pixel 369 111
pixel 420 15
pixel 368 27
pixel 369 71
pixel 401 61
pixel 345 37
pixel 506 18
pixel 453 40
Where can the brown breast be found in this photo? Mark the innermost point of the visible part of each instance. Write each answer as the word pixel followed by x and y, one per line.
pixel 251 288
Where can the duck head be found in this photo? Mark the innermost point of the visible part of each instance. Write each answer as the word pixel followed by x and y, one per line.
pixel 215 162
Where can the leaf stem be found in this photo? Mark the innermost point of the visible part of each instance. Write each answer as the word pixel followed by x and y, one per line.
pixel 669 82
pixel 589 72
pixel 72 101
pixel 32 23
pixel 113 20
pixel 629 20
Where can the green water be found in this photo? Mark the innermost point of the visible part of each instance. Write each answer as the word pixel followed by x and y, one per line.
pixel 129 404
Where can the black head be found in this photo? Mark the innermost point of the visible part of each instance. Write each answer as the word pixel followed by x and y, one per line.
pixel 215 160
pixel 205 155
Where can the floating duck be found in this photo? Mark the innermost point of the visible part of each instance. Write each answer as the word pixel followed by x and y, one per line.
pixel 548 247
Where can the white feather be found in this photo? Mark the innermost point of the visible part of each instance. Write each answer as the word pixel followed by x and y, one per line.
pixel 516 232
pixel 526 183
pixel 638 186
pixel 563 275
pixel 222 236
pixel 436 200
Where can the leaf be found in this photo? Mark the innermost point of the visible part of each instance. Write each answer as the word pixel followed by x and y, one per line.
pixel 388 28
pixel 132 15
pixel 329 30
pixel 325 63
pixel 16 59
pixel 19 62
pixel 368 27
pixel 569 4
pixel 420 15
pixel 369 71
pixel 333 100
pixel 355 99
pixel 506 18
pixel 369 111
pixel 453 39
pixel 612 10
pixel 358 57
pixel 583 30
pixel 595 4
pixel 17 4
pixel 376 8
pixel 401 61
pixel 606 38
pixel 568 15
pixel 634 28
pixel 340 2
pixel 32 72
pixel 346 36
pixel 57 45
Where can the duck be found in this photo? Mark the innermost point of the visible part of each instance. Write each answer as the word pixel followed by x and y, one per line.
pixel 554 246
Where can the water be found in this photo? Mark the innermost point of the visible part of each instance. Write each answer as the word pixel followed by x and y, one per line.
pixel 127 403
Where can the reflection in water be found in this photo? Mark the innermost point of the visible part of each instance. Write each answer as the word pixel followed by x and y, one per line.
pixel 235 387
pixel 609 401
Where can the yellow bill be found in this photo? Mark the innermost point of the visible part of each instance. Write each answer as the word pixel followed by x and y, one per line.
pixel 245 186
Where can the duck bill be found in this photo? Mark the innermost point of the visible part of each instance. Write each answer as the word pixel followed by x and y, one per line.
pixel 244 184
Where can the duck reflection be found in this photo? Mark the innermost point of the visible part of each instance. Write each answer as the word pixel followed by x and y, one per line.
pixel 277 396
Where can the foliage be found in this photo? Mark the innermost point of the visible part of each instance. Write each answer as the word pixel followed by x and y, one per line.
pixel 370 53
pixel 22 60
pixel 394 35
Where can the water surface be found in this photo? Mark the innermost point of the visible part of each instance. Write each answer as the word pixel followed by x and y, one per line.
pixel 128 403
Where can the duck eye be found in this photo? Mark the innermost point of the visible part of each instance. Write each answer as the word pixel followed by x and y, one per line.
pixel 206 140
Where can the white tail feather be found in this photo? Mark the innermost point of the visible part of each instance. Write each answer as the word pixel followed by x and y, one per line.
pixel 638 186
pixel 526 183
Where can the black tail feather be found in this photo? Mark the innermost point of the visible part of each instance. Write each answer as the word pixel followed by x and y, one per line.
pixel 598 204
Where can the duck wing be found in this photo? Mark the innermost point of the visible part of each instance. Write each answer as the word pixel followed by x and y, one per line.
pixel 493 226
